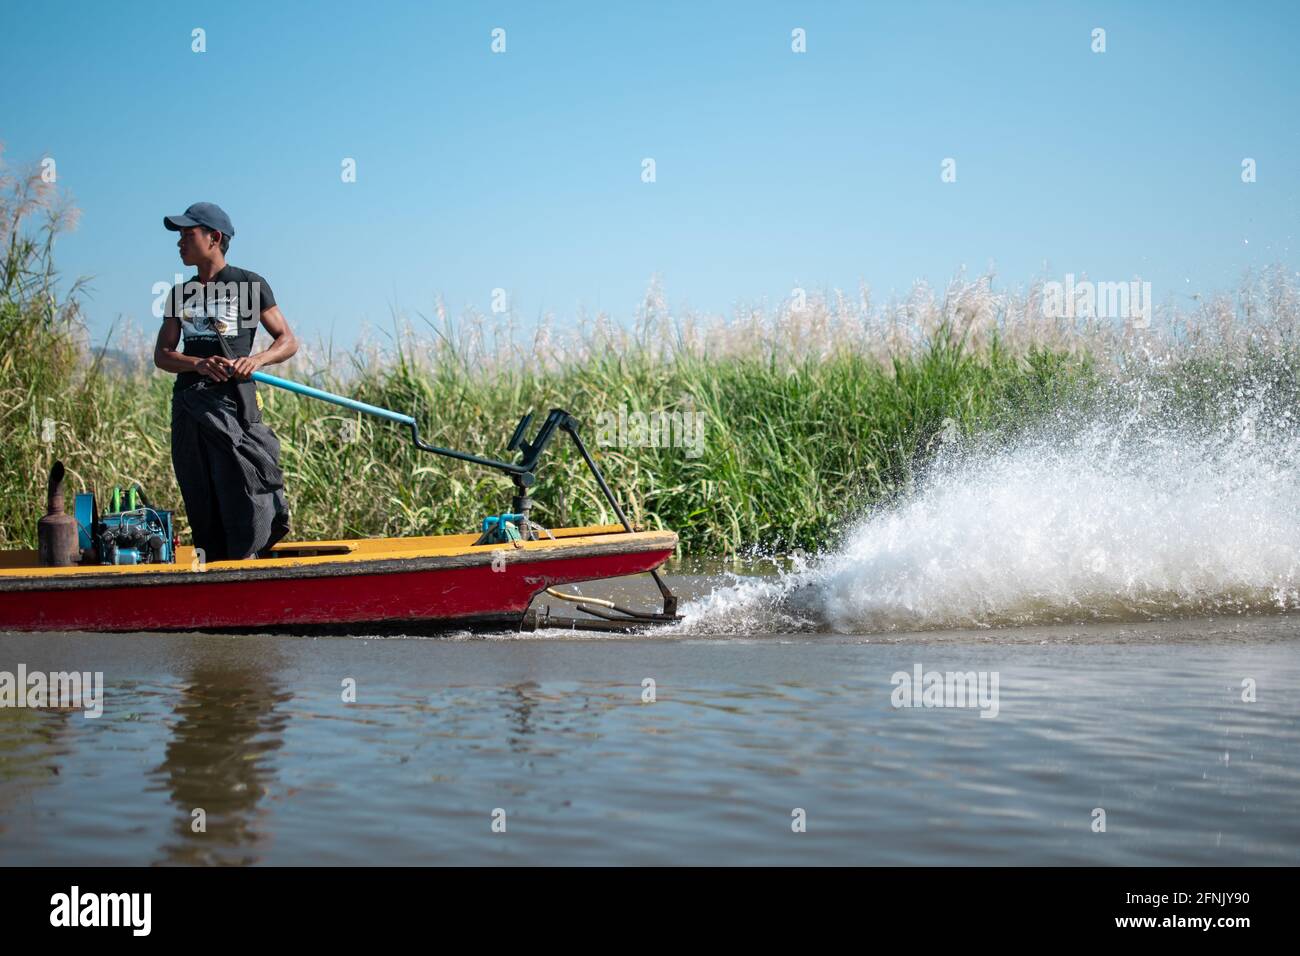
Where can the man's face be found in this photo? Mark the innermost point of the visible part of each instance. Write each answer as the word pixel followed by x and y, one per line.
pixel 195 244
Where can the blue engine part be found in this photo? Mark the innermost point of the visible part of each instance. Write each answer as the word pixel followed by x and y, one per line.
pixel 135 534
pixel 501 529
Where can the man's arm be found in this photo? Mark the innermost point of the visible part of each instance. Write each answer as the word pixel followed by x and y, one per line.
pixel 283 346
pixel 168 359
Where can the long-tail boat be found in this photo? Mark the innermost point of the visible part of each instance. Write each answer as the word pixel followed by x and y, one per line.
pixel 479 580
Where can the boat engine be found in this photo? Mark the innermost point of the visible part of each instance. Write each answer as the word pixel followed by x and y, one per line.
pixel 502 529
pixel 133 531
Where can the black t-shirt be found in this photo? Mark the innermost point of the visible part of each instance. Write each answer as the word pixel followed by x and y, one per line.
pixel 233 302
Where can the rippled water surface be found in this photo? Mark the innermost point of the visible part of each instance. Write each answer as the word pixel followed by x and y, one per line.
pixel 1145 721
pixel 1129 574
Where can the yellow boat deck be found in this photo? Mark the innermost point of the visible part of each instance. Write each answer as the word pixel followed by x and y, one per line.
pixel 25 563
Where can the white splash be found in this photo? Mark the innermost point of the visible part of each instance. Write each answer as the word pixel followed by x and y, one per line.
pixel 1121 518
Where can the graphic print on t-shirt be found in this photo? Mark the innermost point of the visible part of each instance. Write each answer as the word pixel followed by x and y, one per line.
pixel 234 301
pixel 219 311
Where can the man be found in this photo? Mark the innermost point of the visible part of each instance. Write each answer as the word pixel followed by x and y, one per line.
pixel 227 461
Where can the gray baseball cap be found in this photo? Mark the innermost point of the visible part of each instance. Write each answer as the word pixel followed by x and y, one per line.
pixel 201 214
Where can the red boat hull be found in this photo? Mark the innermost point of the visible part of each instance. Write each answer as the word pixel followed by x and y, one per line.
pixel 432 592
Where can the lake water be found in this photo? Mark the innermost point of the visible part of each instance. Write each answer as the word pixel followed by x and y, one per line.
pixel 1123 591
pixel 750 737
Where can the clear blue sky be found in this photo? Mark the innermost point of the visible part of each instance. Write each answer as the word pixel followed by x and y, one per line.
pixel 523 170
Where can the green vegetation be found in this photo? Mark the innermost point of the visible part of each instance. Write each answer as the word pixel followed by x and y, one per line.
pixel 787 451
pixel 809 415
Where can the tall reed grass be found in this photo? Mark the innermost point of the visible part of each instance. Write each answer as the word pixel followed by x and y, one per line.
pixel 810 414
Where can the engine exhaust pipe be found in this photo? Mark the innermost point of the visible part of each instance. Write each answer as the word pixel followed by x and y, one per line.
pixel 56 532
